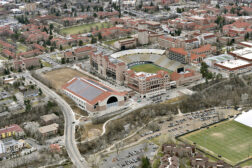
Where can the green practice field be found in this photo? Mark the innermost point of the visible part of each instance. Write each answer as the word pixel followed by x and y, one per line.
pixel 149 68
pixel 229 139
pixel 83 28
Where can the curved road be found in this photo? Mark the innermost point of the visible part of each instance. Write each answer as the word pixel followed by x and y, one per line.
pixel 69 131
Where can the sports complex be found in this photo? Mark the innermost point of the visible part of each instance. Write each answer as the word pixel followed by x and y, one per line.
pixel 147 60
pixel 229 140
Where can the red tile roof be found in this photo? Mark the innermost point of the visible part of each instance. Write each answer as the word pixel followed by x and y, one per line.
pixel 11 128
pixel 178 50
pixel 84 49
pixel 100 97
pixel 176 76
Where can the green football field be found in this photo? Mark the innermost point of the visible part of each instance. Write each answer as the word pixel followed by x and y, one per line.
pixel 149 68
pixel 230 139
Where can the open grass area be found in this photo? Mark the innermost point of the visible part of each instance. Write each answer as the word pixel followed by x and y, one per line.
pixel 111 42
pixel 229 139
pixel 59 77
pixel 2 58
pixel 21 48
pixel 149 68
pixel 83 28
pixel 46 64
pixel 248 163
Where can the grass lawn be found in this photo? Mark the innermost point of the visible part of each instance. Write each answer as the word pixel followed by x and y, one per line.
pixel 2 58
pixel 82 28
pixel 111 42
pixel 248 163
pixel 46 64
pixel 229 139
pixel 149 68
pixel 21 48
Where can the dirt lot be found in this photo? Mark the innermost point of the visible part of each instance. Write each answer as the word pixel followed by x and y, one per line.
pixel 59 77
pixel 91 131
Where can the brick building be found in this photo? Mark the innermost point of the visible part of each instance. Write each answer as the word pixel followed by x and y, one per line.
pixel 108 67
pixel 186 77
pixel 147 84
pixel 12 130
pixel 93 96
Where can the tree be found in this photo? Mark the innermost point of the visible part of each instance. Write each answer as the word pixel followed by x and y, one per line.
pixel 93 40
pixel 65 6
pixel 179 10
pixel 145 163
pixel 95 15
pixel 27 104
pixel 63 61
pixel 40 92
pixel 51 27
pixel 204 71
pixel 246 37
pixel 80 43
pixel 14 98
pixel 61 48
pixel 99 36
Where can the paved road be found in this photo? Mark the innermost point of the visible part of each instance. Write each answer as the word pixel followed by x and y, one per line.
pixel 69 139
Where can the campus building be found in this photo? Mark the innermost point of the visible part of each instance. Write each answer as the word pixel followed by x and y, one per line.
pixel 179 54
pixel 185 77
pixel 108 67
pixel 148 84
pixel 244 54
pixel 92 96
pixel 235 66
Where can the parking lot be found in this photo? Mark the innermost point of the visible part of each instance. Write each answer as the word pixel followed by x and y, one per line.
pixel 130 157
pixel 188 122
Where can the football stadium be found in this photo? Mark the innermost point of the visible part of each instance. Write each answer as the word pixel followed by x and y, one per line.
pixel 156 58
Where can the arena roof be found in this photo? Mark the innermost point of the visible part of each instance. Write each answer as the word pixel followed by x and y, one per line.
pixel 89 90
pixel 138 51
pixel 245 118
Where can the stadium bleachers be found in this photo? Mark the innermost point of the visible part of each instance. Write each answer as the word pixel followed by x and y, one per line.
pixel 161 60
